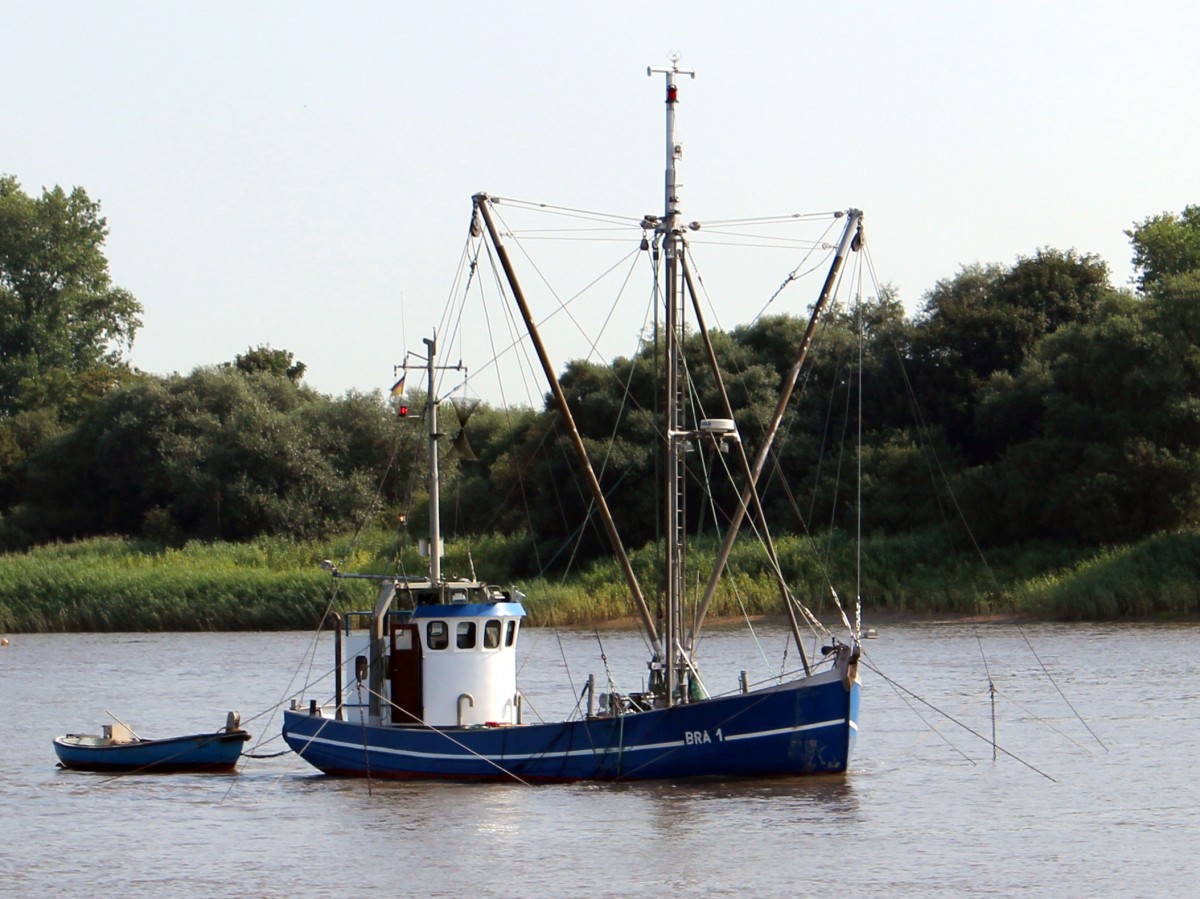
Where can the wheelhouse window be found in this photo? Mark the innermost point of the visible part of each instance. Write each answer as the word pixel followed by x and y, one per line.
pixel 466 635
pixel 437 635
pixel 510 634
pixel 491 634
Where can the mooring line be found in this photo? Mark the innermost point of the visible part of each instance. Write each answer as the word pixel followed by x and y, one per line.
pixel 1044 722
pixel 1050 677
pixel 269 755
pixel 965 727
pixel 460 745
pixel 926 721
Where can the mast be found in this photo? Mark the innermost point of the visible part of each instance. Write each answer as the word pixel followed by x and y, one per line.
pixel 433 435
pixel 435 514
pixel 387 588
pixel 676 436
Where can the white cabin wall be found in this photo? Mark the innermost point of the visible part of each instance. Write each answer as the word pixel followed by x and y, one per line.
pixel 488 676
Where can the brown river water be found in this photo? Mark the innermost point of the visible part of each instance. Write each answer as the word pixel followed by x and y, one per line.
pixel 924 811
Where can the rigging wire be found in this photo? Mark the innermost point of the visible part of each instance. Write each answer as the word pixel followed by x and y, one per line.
pixel 923 430
pixel 856 631
pixel 525 233
pixel 403 438
pixel 954 720
pixel 565 211
pixel 775 219
pixel 776 472
pixel 440 732
pixel 774 457
pixel 928 724
pixel 1042 720
pixel 796 273
pixel 563 305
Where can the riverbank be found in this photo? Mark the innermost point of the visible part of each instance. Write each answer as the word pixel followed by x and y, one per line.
pixel 120 585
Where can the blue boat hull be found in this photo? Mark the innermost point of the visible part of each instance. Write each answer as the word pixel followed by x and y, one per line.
pixel 804 727
pixel 196 753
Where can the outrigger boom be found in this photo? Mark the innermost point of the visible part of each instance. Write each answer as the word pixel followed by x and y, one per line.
pixel 440 675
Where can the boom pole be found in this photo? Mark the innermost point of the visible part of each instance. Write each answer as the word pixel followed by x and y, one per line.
pixel 851 238
pixel 482 204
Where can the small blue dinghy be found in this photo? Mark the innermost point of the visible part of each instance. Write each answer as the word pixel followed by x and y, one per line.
pixel 119 750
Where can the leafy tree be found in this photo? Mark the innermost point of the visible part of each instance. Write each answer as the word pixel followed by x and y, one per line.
pixel 1060 409
pixel 1111 444
pixel 1165 245
pixel 274 362
pixel 63 324
pixel 216 454
pixel 986 320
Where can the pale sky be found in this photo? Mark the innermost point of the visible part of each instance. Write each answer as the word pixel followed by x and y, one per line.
pixel 299 174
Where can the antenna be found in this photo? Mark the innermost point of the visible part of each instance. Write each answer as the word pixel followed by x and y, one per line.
pixel 674 147
pixel 674 56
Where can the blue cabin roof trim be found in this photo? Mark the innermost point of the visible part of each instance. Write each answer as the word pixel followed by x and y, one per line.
pixel 471 610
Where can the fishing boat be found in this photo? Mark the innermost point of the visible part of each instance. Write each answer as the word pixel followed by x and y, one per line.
pixel 118 750
pixel 426 680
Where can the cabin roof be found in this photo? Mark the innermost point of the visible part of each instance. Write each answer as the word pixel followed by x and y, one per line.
pixel 471 610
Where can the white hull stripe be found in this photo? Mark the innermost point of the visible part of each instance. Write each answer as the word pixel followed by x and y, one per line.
pixel 511 757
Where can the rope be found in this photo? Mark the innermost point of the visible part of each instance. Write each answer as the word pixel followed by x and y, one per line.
pixel 954 720
pixel 927 722
pixel 442 733
pixel 1038 718
pixel 923 430
pixel 366 747
pixel 1042 665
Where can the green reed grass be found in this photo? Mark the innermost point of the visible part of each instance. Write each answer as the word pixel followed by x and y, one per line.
pixel 110 584
pixel 1156 578
pixel 117 585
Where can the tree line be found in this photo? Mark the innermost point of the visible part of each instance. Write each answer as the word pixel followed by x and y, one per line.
pixel 1035 400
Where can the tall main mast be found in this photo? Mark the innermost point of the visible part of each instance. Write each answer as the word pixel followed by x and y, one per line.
pixel 670 232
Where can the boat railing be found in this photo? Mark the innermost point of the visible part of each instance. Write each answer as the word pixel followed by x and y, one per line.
pixel 362 618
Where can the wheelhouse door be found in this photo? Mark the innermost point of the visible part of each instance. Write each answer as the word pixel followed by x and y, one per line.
pixel 406 674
